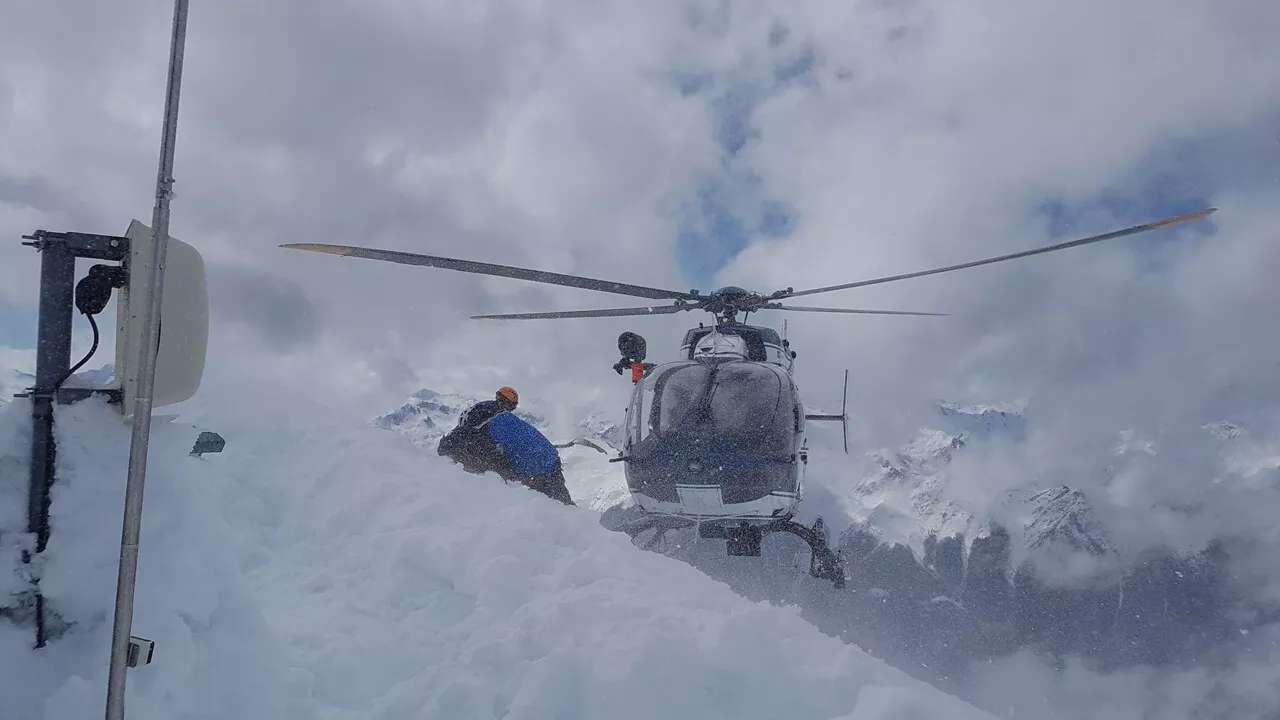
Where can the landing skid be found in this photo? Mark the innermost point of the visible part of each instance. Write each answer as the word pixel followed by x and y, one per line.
pixel 743 539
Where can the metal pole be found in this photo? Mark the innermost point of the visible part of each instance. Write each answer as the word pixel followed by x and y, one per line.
pixel 53 357
pixel 154 285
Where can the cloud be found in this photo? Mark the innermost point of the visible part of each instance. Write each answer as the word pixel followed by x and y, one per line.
pixel 840 142
pixel 778 144
pixel 500 134
pixel 796 146
pixel 928 134
pixel 278 309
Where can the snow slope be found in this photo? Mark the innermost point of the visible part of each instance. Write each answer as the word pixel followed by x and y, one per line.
pixel 323 568
pixel 1188 643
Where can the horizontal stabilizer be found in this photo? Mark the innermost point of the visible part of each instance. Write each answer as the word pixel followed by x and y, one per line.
pixel 843 417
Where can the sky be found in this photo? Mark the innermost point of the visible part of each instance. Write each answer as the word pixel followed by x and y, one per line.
pixel 685 144
pixel 680 144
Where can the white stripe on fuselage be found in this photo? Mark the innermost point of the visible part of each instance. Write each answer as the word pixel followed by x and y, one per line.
pixel 706 502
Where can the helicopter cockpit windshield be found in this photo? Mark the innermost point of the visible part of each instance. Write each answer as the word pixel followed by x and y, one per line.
pixel 731 424
pixel 749 408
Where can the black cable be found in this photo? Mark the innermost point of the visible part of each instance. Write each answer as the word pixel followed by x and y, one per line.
pixel 90 354
pixel 93 292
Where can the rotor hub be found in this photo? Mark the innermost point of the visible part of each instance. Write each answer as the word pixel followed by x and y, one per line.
pixel 730 300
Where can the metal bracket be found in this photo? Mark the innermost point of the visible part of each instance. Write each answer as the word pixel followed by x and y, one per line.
pixel 70 396
pixel 91 246
pixel 59 252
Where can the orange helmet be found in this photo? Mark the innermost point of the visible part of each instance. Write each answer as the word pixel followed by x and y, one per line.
pixel 508 394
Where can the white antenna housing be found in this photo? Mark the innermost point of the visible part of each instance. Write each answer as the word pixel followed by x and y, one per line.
pixel 183 321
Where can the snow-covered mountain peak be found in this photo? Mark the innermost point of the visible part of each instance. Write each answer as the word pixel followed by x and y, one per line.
pixel 1063 514
pixel 593 481
pixel 953 427
pixel 914 476
pixel 598 426
pixel 1004 419
pixel 1055 525
pixel 1223 430
pixel 428 415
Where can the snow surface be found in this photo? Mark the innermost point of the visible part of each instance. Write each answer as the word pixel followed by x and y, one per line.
pixel 323 568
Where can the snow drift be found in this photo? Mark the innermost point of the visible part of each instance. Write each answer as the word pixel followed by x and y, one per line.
pixel 215 656
pixel 322 569
pixel 949 595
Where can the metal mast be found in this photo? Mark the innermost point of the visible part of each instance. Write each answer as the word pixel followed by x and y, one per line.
pixel 153 272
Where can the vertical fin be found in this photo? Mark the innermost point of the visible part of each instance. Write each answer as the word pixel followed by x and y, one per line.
pixel 844 412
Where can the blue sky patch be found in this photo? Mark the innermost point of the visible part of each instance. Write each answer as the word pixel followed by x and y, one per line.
pixel 1160 187
pixel 17 326
pixel 730 210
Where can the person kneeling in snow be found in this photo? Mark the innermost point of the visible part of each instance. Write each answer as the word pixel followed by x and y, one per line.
pixel 490 437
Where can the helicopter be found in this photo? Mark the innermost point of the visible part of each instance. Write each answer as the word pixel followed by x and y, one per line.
pixel 716 437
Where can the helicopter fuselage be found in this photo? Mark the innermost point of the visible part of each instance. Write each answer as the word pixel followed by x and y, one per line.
pixel 720 432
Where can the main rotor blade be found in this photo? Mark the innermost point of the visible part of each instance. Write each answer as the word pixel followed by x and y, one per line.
pixel 483 268
pixel 1026 253
pixel 614 312
pixel 774 306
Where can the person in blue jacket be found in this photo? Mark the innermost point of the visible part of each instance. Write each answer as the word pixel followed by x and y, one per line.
pixel 491 437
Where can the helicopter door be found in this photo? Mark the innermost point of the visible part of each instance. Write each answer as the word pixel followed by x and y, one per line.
pixel 639 425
